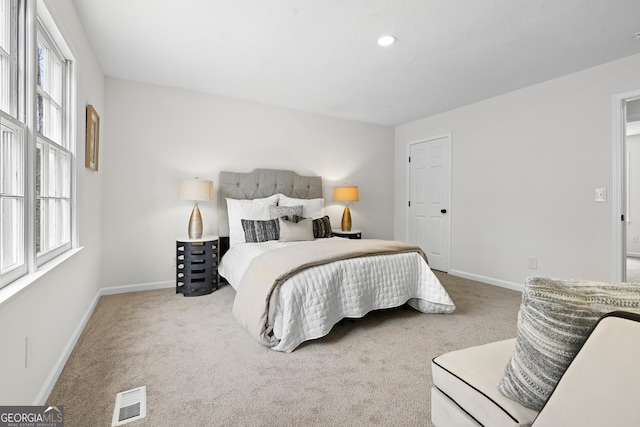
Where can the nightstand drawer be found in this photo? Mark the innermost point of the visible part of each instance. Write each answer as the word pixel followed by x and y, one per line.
pixel 353 234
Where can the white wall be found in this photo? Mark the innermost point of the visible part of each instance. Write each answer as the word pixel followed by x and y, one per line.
pixel 52 308
pixel 525 166
pixel 633 226
pixel 157 136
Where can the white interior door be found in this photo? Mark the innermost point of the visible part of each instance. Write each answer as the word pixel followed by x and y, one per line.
pixel 429 224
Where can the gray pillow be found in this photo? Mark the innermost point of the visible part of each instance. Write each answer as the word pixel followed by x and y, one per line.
pixel 295 231
pixel 256 231
pixel 321 226
pixel 285 211
pixel 554 321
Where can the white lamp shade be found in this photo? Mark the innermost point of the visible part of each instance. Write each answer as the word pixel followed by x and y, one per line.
pixel 346 193
pixel 196 189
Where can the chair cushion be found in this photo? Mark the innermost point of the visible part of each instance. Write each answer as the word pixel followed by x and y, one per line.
pixel 470 377
pixel 608 394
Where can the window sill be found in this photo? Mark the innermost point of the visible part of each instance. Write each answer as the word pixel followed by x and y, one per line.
pixel 19 285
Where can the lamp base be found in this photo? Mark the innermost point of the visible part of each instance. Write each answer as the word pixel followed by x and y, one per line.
pixel 195 223
pixel 346 219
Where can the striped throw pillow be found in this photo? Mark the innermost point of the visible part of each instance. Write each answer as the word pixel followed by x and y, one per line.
pixel 554 321
pixel 256 231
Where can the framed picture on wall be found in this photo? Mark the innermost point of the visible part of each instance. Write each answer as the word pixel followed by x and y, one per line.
pixel 93 138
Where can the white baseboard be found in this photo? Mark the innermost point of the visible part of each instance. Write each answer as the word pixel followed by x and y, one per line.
pixel 45 391
pixel 64 356
pixel 137 288
pixel 488 280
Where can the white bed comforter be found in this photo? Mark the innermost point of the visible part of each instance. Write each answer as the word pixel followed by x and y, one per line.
pixel 312 301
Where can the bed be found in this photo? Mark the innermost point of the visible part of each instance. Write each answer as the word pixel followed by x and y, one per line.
pixel 293 280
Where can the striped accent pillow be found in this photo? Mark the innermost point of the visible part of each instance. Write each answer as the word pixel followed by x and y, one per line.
pixel 555 319
pixel 322 227
pixel 256 231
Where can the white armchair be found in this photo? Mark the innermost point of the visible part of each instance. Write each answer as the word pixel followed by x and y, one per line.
pixel 601 386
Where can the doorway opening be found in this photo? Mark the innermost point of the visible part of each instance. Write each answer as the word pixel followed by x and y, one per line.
pixel 632 175
pixel 626 201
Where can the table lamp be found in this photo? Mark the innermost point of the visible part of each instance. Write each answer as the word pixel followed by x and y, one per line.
pixel 346 193
pixel 196 190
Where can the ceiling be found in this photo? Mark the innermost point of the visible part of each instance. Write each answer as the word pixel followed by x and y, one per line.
pixel 321 56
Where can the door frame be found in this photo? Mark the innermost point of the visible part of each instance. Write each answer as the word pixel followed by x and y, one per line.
pixel 619 199
pixel 447 135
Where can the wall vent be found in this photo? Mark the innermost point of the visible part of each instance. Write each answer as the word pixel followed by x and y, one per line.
pixel 131 405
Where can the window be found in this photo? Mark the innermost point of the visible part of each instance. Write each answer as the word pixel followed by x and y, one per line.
pixel 36 164
pixel 12 151
pixel 53 157
pixel 12 200
pixel 8 55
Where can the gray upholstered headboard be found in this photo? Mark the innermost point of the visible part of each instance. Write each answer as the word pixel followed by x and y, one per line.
pixel 263 183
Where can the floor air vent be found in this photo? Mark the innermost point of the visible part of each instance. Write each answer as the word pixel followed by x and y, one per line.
pixel 131 405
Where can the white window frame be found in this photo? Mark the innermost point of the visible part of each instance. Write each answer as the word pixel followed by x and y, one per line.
pixel 11 272
pixel 32 20
pixel 11 57
pixel 53 193
pixel 12 121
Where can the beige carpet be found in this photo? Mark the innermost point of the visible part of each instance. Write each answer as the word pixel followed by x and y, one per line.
pixel 202 369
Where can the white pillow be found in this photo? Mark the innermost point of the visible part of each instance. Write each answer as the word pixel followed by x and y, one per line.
pixel 238 210
pixel 311 208
pixel 296 231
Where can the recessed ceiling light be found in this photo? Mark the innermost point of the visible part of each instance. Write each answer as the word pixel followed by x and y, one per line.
pixel 386 40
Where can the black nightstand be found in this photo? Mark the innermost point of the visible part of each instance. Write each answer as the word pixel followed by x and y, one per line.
pixel 197 266
pixel 353 234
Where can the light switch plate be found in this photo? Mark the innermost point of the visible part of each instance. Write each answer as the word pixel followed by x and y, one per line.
pixel 601 194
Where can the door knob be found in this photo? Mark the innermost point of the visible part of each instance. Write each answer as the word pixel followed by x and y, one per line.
pixel 443 211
